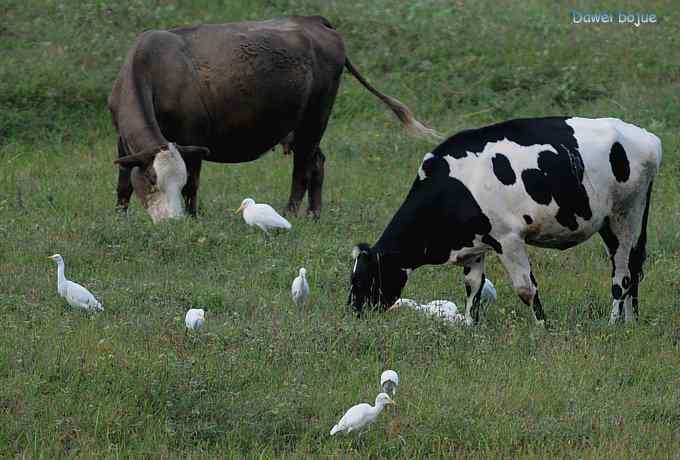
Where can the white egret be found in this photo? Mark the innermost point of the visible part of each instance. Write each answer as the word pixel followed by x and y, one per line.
pixel 443 309
pixel 75 294
pixel 195 319
pixel 300 288
pixel 262 215
pixel 389 380
pixel 361 415
pixel 488 291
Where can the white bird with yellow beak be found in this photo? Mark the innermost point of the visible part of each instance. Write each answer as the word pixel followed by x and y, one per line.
pixel 299 290
pixel 75 294
pixel 362 415
pixel 262 215
pixel 389 381
pixel 195 319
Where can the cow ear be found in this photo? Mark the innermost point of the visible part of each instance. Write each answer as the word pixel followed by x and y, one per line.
pixel 142 158
pixel 193 150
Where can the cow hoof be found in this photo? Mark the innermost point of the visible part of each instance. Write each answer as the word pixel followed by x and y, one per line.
pixel 315 214
pixel 122 211
pixel 290 211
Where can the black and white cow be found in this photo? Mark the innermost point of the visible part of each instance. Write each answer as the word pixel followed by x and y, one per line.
pixel 549 182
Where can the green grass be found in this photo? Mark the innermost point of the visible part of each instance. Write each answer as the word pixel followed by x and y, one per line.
pixel 267 379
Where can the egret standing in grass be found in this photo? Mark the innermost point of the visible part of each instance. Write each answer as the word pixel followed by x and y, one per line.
pixel 75 294
pixel 389 380
pixel 262 215
pixel 361 415
pixel 300 289
pixel 195 319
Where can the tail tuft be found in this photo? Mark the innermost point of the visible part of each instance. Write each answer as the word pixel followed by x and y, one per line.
pixel 412 125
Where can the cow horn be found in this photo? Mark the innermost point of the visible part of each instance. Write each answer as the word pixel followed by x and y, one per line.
pixel 142 158
pixel 193 150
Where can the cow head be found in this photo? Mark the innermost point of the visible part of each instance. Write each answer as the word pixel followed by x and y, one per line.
pixel 376 279
pixel 158 176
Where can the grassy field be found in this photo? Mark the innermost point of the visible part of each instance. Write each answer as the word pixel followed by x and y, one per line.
pixel 267 379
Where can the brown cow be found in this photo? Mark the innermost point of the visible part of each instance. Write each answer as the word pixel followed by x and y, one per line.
pixel 228 93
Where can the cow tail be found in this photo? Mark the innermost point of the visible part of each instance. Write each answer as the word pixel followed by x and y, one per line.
pixel 402 112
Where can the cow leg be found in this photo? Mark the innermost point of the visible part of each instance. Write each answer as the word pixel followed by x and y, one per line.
pixel 315 184
pixel 637 258
pixel 516 262
pixel 124 188
pixel 308 163
pixel 190 190
pixel 625 236
pixel 301 177
pixel 474 282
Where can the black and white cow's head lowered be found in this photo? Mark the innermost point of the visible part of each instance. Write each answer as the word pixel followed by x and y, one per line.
pixel 158 176
pixel 375 280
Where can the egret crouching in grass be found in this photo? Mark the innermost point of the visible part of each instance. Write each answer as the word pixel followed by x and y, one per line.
pixel 443 309
pixel 361 415
pixel 75 294
pixel 262 215
pixel 300 289
pixel 488 291
pixel 389 380
pixel 195 319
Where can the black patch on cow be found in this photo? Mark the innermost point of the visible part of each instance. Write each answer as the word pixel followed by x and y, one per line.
pixel 559 176
pixel 439 215
pixel 503 169
pixel 533 280
pixel 609 237
pixel 625 282
pixel 537 186
pixel 619 161
pixel 538 308
pixel 434 169
pixel 617 292
pixel 610 240
pixel 466 270
pixel 528 219
pixel 493 242
pixel 468 289
pixel 556 179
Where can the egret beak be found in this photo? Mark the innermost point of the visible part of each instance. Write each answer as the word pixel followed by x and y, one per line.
pixel 392 403
pixel 239 209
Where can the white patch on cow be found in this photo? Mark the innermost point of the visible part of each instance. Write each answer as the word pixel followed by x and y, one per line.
pixel 421 172
pixel 165 202
pixel 356 261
